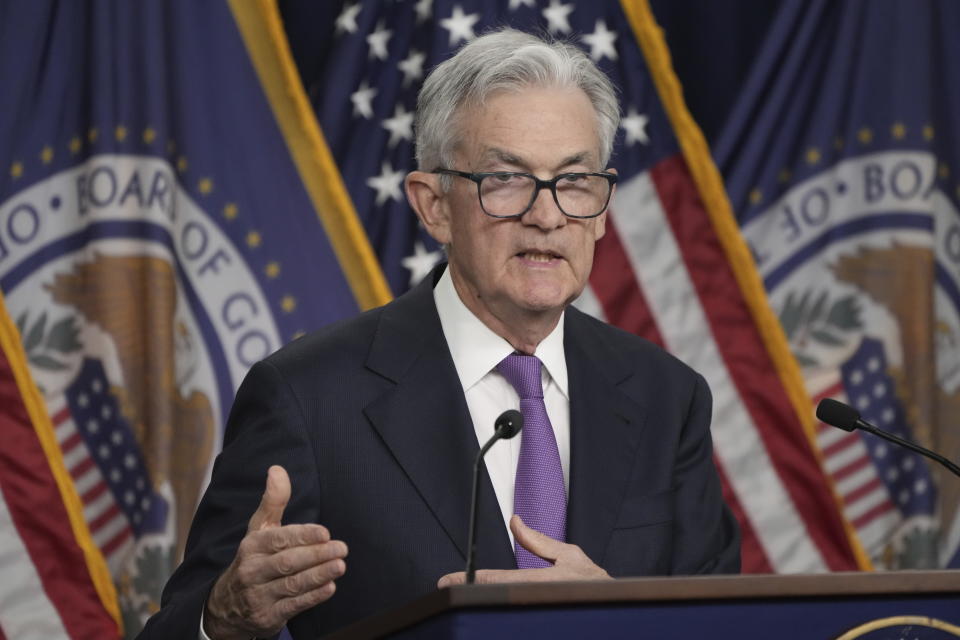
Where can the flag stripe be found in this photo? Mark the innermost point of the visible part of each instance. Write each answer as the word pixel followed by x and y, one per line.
pixel 655 257
pixel 613 282
pixel 752 553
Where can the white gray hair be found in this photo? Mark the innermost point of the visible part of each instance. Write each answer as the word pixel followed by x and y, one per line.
pixel 506 59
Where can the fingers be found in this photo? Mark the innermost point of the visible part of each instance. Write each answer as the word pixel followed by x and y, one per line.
pixel 274 500
pixel 291 562
pixel 500 576
pixel 534 541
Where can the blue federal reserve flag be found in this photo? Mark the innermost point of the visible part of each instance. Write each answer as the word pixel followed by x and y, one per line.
pixel 841 160
pixel 162 228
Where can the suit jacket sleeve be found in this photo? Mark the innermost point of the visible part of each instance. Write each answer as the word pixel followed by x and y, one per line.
pixel 266 427
pixel 707 538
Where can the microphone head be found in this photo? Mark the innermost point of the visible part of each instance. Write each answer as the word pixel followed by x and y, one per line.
pixel 837 414
pixel 508 424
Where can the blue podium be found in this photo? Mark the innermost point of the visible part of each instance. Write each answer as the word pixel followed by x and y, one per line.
pixel 906 605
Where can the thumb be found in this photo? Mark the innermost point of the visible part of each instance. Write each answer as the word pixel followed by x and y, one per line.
pixel 274 500
pixel 535 542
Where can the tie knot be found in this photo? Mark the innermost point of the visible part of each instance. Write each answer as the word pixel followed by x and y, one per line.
pixel 523 372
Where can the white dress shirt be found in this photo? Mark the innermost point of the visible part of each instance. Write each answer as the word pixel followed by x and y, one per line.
pixel 476 351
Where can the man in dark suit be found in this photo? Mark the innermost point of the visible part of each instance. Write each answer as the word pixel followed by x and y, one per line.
pixel 367 430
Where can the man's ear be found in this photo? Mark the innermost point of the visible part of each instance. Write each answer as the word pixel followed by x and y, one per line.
pixel 429 201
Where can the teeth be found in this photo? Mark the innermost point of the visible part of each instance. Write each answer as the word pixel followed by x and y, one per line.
pixel 538 257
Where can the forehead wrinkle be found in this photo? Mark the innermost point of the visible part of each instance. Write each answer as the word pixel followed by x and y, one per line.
pixel 495 153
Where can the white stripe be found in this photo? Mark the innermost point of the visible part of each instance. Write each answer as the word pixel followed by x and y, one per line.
pixel 93 510
pixel 867 502
pixel 832 435
pixel 65 429
pixel 75 456
pixel 590 304
pixel 875 534
pixel 114 526
pixel 848 455
pixel 853 482
pixel 26 612
pixel 119 557
pixel 658 264
pixel 88 480
pixel 57 404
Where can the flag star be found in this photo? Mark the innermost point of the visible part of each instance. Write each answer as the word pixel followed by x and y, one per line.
pixel 423 8
pixel 460 25
pixel 400 125
pixel 421 262
pixel 556 15
pixel 377 41
pixel 601 42
pixel 362 100
pixel 387 184
pixel 412 66
pixel 347 20
pixel 516 4
pixel 635 125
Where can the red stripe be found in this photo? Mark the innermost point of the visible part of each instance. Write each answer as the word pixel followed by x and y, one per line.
pixel 85 465
pixel 862 490
pixel 114 543
pixel 753 558
pixel 751 368
pixel 2 637
pixel 872 514
pixel 849 440
pixel 70 442
pixel 92 494
pixel 104 518
pixel 61 416
pixel 851 468
pixel 615 285
pixel 26 481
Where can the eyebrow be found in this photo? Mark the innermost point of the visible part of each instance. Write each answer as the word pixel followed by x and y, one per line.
pixel 502 155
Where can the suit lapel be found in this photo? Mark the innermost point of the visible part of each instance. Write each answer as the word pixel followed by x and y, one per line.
pixel 424 421
pixel 605 425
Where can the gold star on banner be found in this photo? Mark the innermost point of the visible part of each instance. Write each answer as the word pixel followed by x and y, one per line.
pixel 16 170
pixel 120 133
pixel 149 135
pixel 756 196
pixel 93 134
pixel 230 211
pixel 171 147
pixel 784 175
pixel 205 186
pixel 288 303
pixel 253 239
pixel 928 132
pixel 898 131
pixel 943 171
pixel 46 156
pixel 75 145
pixel 865 136
pixel 182 164
pixel 812 156
pixel 838 143
pixel 272 270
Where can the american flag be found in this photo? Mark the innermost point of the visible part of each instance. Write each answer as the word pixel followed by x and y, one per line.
pixel 671 267
pixel 881 484
pixel 102 456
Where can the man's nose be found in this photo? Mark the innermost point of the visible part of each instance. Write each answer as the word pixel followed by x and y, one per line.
pixel 544 212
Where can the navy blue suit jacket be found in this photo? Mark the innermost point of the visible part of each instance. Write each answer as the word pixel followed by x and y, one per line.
pixel 369 418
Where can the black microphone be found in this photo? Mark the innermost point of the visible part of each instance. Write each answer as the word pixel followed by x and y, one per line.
pixel 845 417
pixel 507 425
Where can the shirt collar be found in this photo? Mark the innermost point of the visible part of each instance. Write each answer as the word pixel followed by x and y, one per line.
pixel 476 349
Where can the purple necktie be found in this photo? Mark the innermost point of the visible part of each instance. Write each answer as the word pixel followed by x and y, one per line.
pixel 538 493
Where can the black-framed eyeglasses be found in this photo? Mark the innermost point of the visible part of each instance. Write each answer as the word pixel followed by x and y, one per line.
pixel 509 194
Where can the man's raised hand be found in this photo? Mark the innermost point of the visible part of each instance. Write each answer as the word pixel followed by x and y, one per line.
pixel 278 571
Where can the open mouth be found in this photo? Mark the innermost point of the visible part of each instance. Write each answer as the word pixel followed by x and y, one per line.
pixel 539 256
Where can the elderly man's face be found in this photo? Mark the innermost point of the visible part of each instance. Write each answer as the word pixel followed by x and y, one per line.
pixel 541 261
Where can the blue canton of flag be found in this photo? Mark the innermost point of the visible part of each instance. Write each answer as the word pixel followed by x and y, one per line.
pixel 115 450
pixel 871 390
